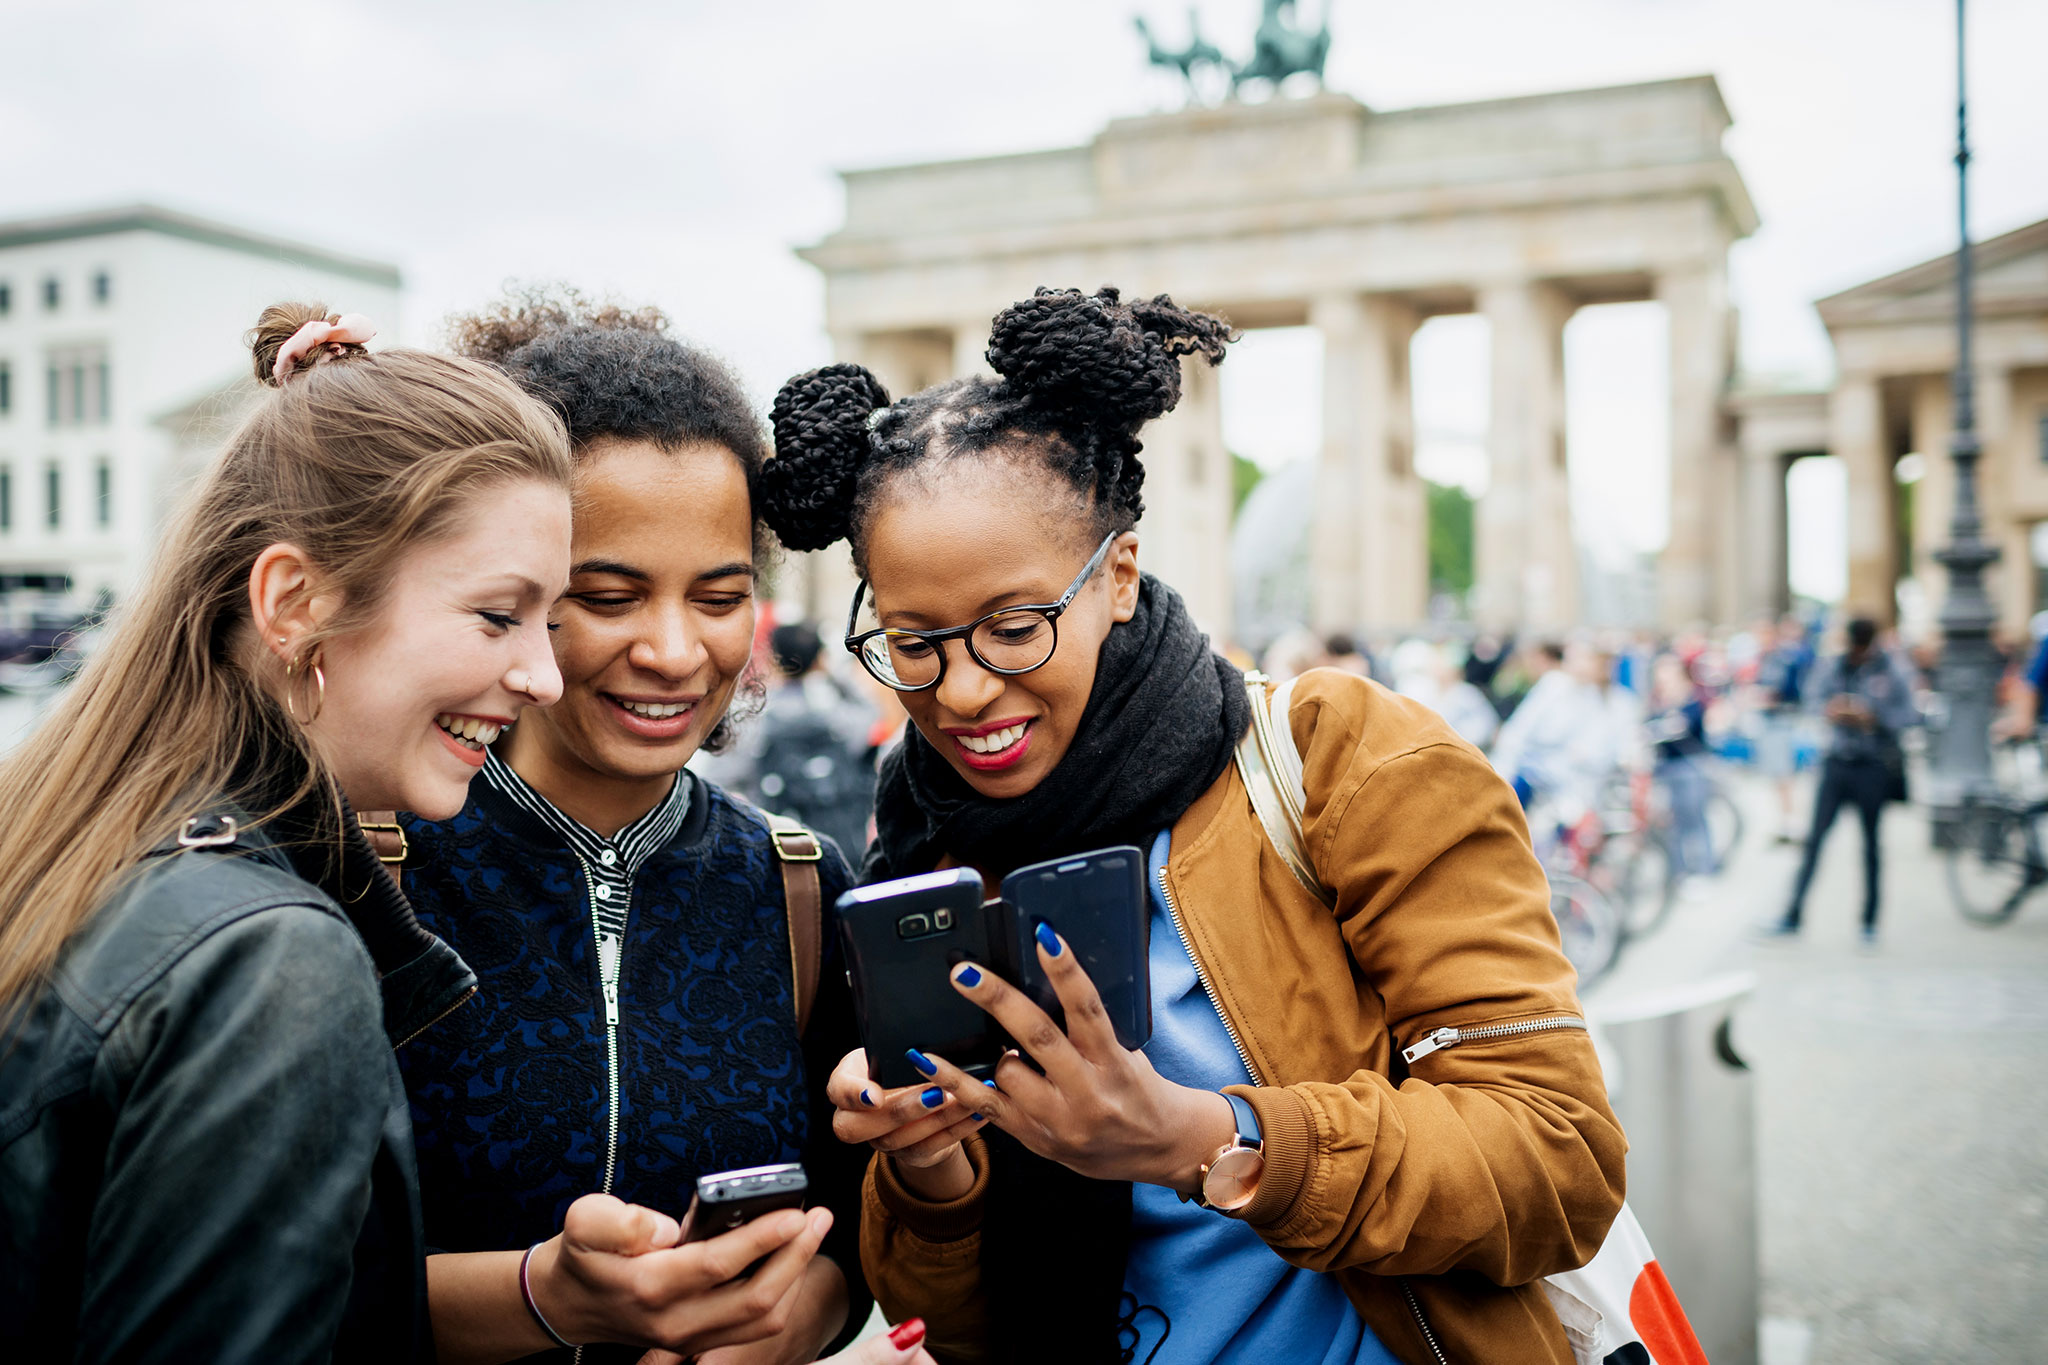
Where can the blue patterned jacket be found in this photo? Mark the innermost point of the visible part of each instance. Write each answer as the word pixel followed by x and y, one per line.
pixel 509 1093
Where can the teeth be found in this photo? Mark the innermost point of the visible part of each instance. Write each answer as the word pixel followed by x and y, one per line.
pixel 469 731
pixel 654 710
pixel 993 743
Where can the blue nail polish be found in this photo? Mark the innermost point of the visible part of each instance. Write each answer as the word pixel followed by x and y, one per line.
pixel 975 1117
pixel 1048 940
pixel 867 1099
pixel 921 1062
pixel 968 974
pixel 933 1098
pixel 992 1085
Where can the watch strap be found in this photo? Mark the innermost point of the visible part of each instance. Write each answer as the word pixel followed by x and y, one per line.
pixel 1248 1132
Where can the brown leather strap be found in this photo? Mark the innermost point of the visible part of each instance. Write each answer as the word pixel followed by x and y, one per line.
pixel 387 841
pixel 799 852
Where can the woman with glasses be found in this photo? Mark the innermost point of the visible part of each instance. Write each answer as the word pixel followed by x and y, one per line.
pixel 1266 1179
pixel 644 958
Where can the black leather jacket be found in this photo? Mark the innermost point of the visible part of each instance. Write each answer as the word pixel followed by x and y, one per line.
pixel 204 1146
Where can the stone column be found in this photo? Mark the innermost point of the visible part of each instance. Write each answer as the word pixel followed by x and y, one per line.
pixel 970 349
pixel 1369 546
pixel 1185 533
pixel 1766 589
pixel 1857 436
pixel 1527 571
pixel 1689 581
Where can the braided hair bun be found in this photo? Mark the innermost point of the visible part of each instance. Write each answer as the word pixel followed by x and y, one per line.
pixel 821 440
pixel 1092 357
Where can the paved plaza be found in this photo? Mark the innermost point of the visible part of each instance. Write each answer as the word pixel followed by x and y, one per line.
pixel 1902 1110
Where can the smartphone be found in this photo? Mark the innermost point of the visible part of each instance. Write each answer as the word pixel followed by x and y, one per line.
pixel 1096 902
pixel 902 939
pixel 729 1199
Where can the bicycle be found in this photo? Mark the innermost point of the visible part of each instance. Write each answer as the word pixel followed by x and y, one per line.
pixel 1997 860
pixel 1589 924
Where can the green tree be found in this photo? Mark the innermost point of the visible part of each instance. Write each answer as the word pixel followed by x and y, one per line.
pixel 1450 538
pixel 1244 477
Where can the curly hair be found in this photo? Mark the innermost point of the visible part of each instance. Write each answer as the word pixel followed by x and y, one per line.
pixel 614 373
pixel 1078 376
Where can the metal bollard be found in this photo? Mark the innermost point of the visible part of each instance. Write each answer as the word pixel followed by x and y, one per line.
pixel 1686 1101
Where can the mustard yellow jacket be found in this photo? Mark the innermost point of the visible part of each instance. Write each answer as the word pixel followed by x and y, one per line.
pixel 1437 1200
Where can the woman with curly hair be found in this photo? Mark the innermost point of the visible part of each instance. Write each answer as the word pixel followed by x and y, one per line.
pixel 1267 1179
pixel 654 1006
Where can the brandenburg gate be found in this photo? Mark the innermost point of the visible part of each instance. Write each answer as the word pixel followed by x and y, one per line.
pixel 1361 223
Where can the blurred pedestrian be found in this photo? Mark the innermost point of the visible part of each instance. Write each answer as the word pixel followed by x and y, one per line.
pixel 1866 695
pixel 1534 748
pixel 814 763
pixel 1782 671
pixel 1677 727
pixel 1294 653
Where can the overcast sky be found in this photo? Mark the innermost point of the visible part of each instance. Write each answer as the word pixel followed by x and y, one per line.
pixel 676 151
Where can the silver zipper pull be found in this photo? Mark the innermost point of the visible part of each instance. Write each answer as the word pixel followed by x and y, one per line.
pixel 1432 1042
pixel 611 1003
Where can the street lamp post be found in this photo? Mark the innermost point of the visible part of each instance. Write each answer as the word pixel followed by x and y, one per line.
pixel 1968 675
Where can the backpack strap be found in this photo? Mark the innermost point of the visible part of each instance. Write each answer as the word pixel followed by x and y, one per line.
pixel 799 852
pixel 387 841
pixel 1270 764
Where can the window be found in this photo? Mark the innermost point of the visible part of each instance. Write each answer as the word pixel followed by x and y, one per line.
pixel 53 495
pixel 2043 433
pixel 103 493
pixel 102 287
pixel 6 298
pixel 80 387
pixel 6 388
pixel 51 293
pixel 6 497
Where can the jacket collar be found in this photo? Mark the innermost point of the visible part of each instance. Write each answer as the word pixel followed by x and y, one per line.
pixel 421 977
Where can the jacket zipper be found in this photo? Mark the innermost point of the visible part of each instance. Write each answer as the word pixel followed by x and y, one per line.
pixel 608 984
pixel 1429 1337
pixel 1173 913
pixel 1438 1039
pixel 459 1002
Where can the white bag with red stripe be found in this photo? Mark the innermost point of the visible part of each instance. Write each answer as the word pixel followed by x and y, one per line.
pixel 1617 1309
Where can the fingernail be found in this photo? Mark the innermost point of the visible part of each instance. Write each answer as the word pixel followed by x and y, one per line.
pixel 867 1099
pixel 967 974
pixel 1048 940
pixel 921 1062
pixel 990 1084
pixel 975 1117
pixel 933 1098
pixel 905 1335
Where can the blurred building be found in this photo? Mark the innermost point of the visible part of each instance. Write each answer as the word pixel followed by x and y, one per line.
pixel 1895 347
pixel 1362 223
pixel 121 361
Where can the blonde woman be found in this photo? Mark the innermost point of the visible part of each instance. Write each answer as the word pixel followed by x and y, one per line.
pixel 204 1146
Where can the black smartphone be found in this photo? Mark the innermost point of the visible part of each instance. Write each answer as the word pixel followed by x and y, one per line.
pixel 1096 902
pixel 902 938
pixel 729 1199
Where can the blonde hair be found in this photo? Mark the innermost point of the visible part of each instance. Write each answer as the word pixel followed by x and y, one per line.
pixel 357 459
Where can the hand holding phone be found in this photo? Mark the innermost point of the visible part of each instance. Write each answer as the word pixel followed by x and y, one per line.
pixel 902 938
pixel 730 1199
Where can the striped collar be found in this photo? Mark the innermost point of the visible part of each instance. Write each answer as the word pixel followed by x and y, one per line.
pixel 629 848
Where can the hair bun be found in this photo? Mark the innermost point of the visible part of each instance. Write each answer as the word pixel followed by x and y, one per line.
pixel 277 325
pixel 1094 358
pixel 821 439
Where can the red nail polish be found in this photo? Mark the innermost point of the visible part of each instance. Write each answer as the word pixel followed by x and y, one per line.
pixel 907 1334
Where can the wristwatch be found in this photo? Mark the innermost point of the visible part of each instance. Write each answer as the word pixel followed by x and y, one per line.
pixel 1228 1180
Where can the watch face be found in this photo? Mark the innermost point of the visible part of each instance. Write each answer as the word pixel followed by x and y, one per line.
pixel 1233 1178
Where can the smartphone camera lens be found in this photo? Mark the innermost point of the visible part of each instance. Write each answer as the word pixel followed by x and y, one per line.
pixel 913 926
pixel 942 919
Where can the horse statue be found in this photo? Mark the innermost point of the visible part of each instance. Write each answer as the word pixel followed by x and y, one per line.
pixel 1198 53
pixel 1280 50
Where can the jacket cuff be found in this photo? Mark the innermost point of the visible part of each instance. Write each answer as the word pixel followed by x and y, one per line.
pixel 949 1221
pixel 1287 1132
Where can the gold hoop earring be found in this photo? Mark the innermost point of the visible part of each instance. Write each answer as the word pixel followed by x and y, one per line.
pixel 291 686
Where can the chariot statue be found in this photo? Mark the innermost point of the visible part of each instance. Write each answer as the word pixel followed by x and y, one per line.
pixel 1281 47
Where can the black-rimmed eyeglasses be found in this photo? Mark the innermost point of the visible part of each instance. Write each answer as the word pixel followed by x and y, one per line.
pixel 1009 640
